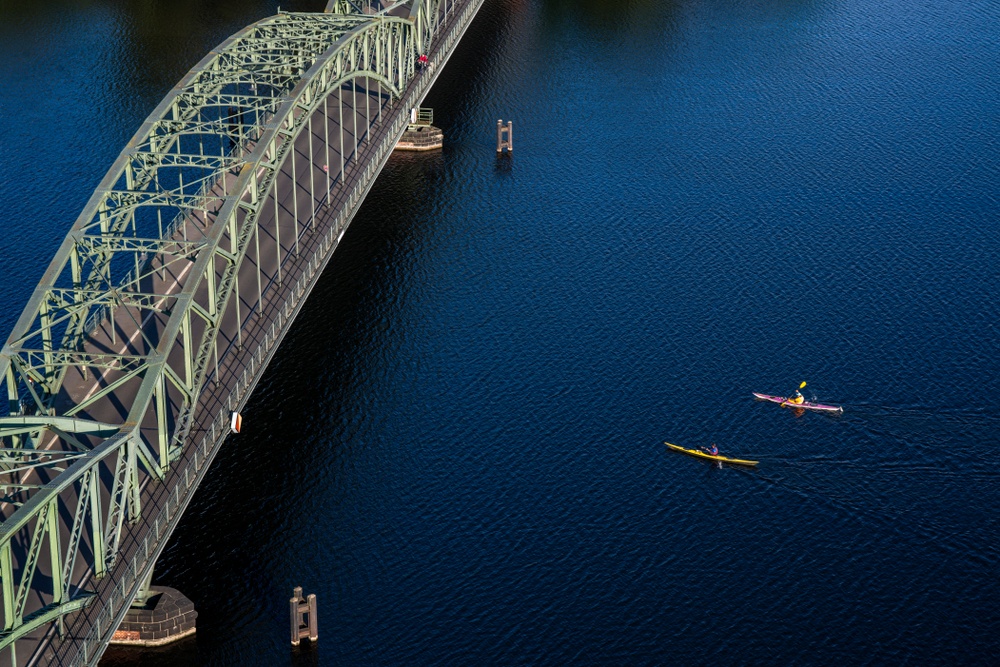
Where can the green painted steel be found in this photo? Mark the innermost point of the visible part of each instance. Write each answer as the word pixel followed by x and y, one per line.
pixel 104 369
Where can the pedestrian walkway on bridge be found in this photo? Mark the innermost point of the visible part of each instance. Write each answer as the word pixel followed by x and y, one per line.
pixel 171 292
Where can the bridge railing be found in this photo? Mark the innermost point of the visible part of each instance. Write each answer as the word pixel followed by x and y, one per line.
pixel 31 546
pixel 110 514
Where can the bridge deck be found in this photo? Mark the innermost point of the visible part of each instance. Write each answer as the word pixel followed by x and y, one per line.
pixel 298 228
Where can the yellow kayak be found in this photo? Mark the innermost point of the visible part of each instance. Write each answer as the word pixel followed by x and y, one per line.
pixel 703 455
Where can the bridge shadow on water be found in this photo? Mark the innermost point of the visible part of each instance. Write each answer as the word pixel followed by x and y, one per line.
pixel 237 552
pixel 255 508
pixel 185 652
pixel 499 492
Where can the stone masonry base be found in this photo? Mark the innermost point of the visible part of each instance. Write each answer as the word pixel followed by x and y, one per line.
pixel 420 138
pixel 167 617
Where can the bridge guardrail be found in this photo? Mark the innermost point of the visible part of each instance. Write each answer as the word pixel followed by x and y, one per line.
pixel 133 571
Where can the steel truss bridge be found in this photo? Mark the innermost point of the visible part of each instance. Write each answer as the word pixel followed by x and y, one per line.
pixel 171 292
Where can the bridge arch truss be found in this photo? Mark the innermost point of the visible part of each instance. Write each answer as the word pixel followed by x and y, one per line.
pixel 185 267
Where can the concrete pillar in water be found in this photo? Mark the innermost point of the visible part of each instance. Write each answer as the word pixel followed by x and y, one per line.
pixel 303 617
pixel 420 134
pixel 160 615
pixel 505 136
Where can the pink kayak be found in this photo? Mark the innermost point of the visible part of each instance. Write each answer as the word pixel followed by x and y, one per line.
pixel 805 406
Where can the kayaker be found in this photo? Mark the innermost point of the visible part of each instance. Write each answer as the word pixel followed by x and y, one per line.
pixel 797 398
pixel 713 450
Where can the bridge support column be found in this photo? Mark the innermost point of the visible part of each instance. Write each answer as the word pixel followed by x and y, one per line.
pixel 420 134
pixel 159 615
pixel 145 592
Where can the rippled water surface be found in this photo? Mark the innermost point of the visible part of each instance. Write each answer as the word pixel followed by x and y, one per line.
pixel 459 447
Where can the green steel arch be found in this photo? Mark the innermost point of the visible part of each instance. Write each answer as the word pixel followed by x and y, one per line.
pixel 105 366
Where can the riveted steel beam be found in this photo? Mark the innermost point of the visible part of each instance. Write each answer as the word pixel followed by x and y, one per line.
pixel 105 367
pixel 68 424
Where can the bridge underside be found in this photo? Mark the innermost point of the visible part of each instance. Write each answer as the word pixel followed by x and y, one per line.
pixel 170 294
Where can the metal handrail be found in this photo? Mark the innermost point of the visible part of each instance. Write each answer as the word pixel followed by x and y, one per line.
pixel 182 479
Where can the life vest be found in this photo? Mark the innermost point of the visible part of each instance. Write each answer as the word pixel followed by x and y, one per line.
pixel 797 400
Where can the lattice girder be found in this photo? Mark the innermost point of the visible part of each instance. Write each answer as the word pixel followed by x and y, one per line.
pixel 157 252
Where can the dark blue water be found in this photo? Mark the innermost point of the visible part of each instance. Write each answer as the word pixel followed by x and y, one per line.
pixel 459 448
